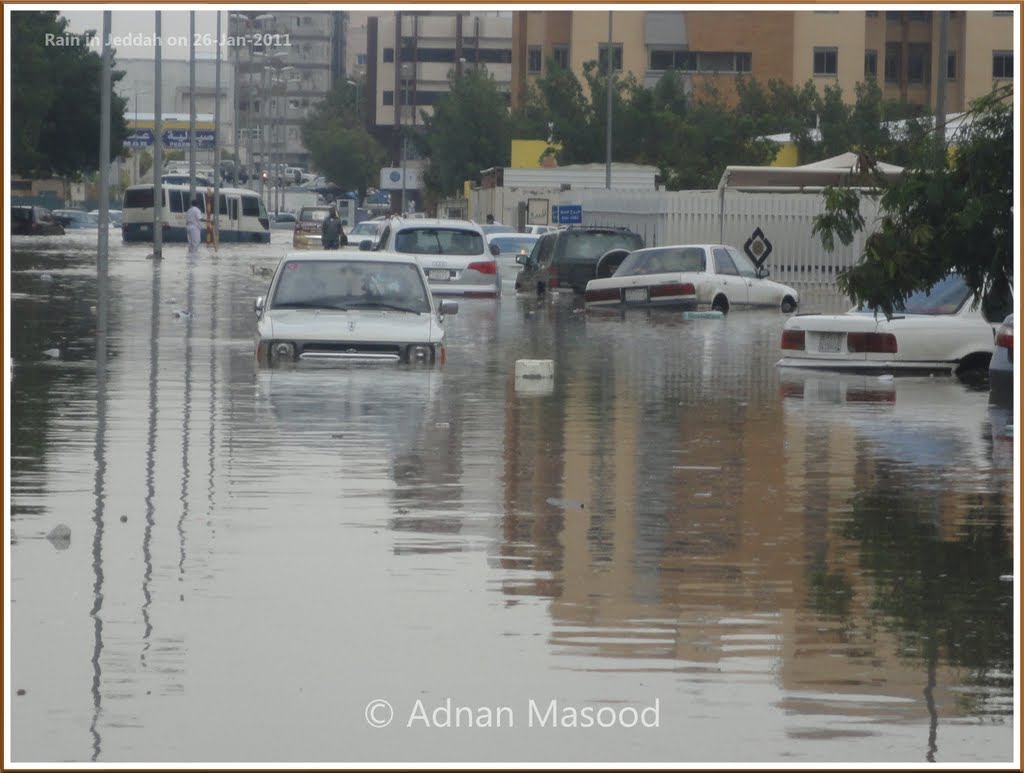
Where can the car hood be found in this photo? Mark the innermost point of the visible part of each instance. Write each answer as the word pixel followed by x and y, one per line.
pixel 355 325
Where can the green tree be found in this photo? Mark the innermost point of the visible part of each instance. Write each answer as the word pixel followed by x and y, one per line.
pixel 339 144
pixel 952 211
pixel 468 131
pixel 55 121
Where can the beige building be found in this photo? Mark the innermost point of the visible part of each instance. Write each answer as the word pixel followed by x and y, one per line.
pixel 900 48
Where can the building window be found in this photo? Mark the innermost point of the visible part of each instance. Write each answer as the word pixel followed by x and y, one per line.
pixel 894 15
pixel 602 56
pixel 870 63
pixel 389 55
pixel 561 56
pixel 892 62
pixel 951 66
pixel 1002 64
pixel 919 57
pixel 388 98
pixel 919 16
pixel 533 59
pixel 1002 13
pixel 699 61
pixel 826 61
pixel 871 14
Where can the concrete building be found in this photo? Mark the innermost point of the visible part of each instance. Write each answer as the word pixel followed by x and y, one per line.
pixel 900 48
pixel 287 62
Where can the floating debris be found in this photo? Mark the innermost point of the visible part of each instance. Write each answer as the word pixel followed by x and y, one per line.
pixel 698 467
pixel 53 354
pixel 181 314
pixel 172 299
pixel 703 315
pixel 46 277
pixel 565 504
pixel 60 536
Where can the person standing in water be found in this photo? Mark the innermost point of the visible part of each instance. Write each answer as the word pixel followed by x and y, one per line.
pixel 194 226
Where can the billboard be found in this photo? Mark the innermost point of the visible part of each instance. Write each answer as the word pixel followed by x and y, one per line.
pixel 391 178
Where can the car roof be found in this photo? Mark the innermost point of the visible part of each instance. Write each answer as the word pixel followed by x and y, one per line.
pixel 436 222
pixel 351 256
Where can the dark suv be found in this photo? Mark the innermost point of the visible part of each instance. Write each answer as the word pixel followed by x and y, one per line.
pixel 568 259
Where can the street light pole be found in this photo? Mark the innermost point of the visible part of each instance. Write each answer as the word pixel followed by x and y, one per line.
pixel 401 125
pixel 608 137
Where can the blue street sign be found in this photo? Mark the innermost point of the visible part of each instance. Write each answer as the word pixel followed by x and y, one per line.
pixel 179 138
pixel 570 214
pixel 139 138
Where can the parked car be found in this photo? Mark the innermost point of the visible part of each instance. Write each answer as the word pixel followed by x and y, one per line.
pixel 347 307
pixel 939 330
pixel 511 246
pixel 453 253
pixel 690 276
pixel 366 231
pixel 307 230
pixel 1000 369
pixel 75 218
pixel 490 229
pixel 537 230
pixel 567 259
pixel 183 179
pixel 34 221
pixel 283 220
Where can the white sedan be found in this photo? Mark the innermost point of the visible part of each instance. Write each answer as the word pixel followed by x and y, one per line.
pixel 936 331
pixel 689 276
pixel 349 307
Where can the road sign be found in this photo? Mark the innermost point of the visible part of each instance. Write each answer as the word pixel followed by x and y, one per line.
pixel 757 247
pixel 179 138
pixel 139 138
pixel 569 214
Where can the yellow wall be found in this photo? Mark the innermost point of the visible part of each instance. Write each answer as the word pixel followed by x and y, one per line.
pixel 526 153
pixel 787 156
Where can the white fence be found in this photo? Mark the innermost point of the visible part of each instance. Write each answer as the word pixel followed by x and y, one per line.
pixel 785 219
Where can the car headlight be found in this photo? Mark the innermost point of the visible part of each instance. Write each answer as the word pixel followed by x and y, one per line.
pixel 282 351
pixel 421 353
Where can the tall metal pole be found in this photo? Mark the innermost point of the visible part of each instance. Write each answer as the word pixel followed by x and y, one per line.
pixel 401 128
pixel 940 83
pixel 264 126
pixel 158 146
pixel 104 229
pixel 234 115
pixel 191 105
pixel 608 132
pixel 216 142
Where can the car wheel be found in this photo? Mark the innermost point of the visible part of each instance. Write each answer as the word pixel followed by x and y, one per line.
pixel 720 304
pixel 788 305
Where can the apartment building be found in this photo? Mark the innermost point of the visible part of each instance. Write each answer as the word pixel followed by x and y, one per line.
pixel 289 62
pixel 409 55
pixel 900 48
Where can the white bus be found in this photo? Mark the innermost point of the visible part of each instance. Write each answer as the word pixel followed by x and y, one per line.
pixel 243 216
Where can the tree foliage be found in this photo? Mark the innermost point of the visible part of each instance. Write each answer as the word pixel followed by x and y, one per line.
pixel 339 144
pixel 55 99
pixel 951 211
pixel 468 131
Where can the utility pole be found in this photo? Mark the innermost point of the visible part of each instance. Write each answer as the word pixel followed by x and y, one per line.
pixel 940 83
pixel 158 147
pixel 608 133
pixel 216 142
pixel 104 228
pixel 191 106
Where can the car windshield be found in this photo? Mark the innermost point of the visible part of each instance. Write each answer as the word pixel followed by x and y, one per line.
pixel 594 244
pixel 350 284
pixel 946 296
pixel 509 244
pixel 664 260
pixel 439 241
pixel 497 228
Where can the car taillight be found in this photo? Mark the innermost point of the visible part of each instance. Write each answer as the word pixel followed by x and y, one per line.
pixel 484 267
pixel 1004 337
pixel 685 288
pixel 871 343
pixel 607 294
pixel 792 339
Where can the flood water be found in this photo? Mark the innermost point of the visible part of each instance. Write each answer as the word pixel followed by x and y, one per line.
pixel 214 564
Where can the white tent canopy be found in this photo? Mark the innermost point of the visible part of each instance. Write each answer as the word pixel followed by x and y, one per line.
pixel 839 170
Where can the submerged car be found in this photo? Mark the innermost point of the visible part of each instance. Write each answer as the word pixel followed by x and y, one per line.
pixel 76 218
pixel 569 258
pixel 367 231
pixel 34 221
pixel 939 330
pixel 1000 368
pixel 453 253
pixel 347 307
pixel 308 228
pixel 690 276
pixel 510 247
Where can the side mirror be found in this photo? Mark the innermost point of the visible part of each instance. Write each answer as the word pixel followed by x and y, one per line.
pixel 257 305
pixel 762 272
pixel 522 258
pixel 495 250
pixel 448 307
pixel 365 245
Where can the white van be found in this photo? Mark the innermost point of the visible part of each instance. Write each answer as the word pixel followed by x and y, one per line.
pixel 243 216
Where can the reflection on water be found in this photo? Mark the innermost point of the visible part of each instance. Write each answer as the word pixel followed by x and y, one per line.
pixel 814 558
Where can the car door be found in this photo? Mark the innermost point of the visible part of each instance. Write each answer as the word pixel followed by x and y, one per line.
pixel 727 280
pixel 540 258
pixel 759 291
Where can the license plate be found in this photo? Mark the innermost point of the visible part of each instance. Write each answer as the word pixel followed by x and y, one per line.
pixel 438 274
pixel 829 342
pixel 636 295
